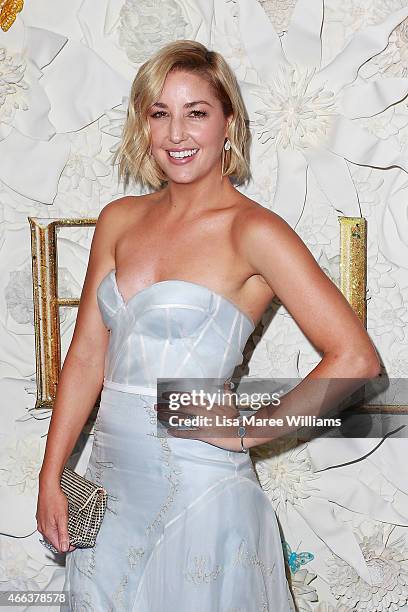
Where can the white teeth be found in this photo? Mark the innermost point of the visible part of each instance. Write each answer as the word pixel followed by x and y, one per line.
pixel 181 154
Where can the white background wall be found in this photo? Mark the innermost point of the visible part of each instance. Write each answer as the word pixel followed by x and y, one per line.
pixel 65 73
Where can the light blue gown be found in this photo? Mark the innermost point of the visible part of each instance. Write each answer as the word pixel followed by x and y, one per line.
pixel 188 527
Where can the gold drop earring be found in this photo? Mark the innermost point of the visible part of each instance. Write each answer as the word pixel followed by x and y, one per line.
pixel 227 146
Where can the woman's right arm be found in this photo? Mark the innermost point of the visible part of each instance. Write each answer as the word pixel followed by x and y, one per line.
pixel 79 384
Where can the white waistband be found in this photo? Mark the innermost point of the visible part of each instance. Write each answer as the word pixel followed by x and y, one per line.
pixel 110 384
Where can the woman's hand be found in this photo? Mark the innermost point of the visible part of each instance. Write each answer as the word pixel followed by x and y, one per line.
pixel 52 516
pixel 218 425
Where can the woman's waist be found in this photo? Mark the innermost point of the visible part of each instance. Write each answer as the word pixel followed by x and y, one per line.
pixel 155 389
pixel 142 389
pixel 129 416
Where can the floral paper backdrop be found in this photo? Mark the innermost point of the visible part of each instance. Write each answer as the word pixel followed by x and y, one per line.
pixel 326 90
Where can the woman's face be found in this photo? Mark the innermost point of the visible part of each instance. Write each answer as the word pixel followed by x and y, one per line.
pixel 188 128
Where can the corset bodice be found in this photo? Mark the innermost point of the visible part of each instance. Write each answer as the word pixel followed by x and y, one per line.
pixel 171 329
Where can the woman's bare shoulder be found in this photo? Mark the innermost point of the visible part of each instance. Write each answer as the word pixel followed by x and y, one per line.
pixel 253 218
pixel 117 215
pixel 121 207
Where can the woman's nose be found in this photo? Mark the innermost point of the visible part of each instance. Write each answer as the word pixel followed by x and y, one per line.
pixel 176 127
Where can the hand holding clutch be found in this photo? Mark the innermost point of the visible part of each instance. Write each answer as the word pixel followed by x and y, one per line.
pixel 86 508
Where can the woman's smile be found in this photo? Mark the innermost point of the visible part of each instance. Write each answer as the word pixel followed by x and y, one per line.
pixel 181 156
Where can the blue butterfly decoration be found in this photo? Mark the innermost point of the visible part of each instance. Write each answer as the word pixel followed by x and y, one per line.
pixel 295 560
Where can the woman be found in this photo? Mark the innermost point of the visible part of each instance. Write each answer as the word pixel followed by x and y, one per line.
pixel 176 282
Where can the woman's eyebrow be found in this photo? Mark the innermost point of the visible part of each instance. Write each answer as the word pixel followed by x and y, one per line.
pixel 186 105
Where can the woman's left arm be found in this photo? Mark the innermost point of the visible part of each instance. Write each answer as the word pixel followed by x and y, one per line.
pixel 321 311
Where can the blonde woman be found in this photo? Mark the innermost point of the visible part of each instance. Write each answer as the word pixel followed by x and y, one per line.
pixel 176 282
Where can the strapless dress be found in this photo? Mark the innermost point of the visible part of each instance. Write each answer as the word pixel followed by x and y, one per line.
pixel 188 527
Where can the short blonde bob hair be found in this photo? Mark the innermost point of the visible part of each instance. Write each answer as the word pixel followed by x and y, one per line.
pixel 133 152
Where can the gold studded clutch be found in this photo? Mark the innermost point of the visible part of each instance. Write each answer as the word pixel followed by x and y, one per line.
pixel 86 508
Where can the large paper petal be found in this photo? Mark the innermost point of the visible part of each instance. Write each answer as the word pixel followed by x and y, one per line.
pixel 100 29
pixel 84 94
pixel 363 45
pixel 44 161
pixel 204 31
pixel 260 39
pixel 390 459
pixel 333 176
pixel 302 44
pixel 47 14
pixel 34 121
pixel 331 452
pixel 337 535
pixel 359 146
pixel 290 194
pixel 368 99
pixel 353 494
pixel 99 33
pixel 42 45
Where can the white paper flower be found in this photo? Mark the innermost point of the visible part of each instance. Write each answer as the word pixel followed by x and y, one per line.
pixel 113 119
pixel 18 571
pixel 319 229
pixel 291 119
pixel 279 12
pixel 38 107
pixel 387 124
pixel 126 33
pixel 389 314
pixel 262 186
pixel 305 111
pixel 145 26
pixel 368 182
pixel 394 60
pixel 396 362
pixel 13 87
pixel 387 561
pixel 305 497
pixel 277 355
pixel 85 168
pixel 23 463
pixel 304 592
pixel 24 52
pixel 285 474
pixel 19 296
pixel 379 274
pixel 358 14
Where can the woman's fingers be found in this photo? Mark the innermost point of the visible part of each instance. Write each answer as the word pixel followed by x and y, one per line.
pixel 63 536
pixel 50 534
pixel 52 518
pixel 57 533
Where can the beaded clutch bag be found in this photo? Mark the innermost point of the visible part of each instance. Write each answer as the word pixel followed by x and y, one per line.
pixel 86 508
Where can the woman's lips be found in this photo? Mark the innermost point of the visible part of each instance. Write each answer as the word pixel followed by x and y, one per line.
pixel 180 161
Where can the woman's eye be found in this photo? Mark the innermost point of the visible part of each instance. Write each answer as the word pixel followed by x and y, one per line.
pixel 196 113
pixel 199 113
